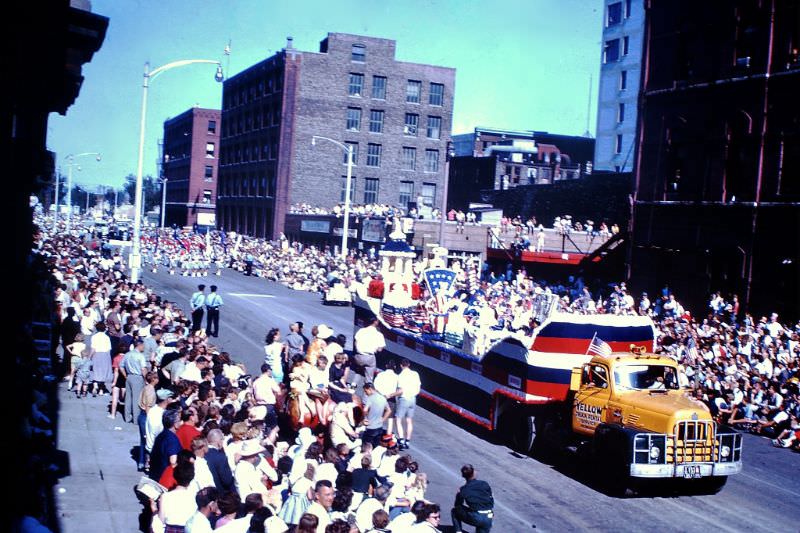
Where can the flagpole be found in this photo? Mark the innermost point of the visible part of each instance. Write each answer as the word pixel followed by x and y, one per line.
pixel 590 343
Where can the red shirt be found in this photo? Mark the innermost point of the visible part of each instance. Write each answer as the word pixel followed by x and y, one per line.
pixel 186 434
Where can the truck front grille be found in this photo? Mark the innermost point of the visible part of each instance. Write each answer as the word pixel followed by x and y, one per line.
pixel 692 442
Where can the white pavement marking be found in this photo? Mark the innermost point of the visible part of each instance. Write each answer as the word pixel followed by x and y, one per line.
pixel 245 295
pixel 773 485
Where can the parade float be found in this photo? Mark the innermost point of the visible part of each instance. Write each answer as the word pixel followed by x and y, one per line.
pixel 536 385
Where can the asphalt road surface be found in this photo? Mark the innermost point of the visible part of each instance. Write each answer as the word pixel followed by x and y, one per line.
pixel 529 494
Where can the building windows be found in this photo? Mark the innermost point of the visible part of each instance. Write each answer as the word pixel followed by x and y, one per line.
pixel 431 160
pixel 623 80
pixel 436 96
pixel 620 113
pixel 212 126
pixel 614 15
pixel 354 146
pixel 343 194
pixel 618 146
pixel 358 53
pixel 209 174
pixel 210 150
pixel 379 87
pixel 353 119
pixel 356 86
pixel 611 51
pixel 411 125
pixel 434 127
pixel 207 196
pixel 428 194
pixel 413 90
pixel 625 45
pixel 627 9
pixel 406 192
pixel 409 158
pixel 376 121
pixel 371 190
pixel 374 155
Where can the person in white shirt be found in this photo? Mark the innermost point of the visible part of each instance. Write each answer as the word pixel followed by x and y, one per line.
pixel 368 341
pixel 406 521
pixel 368 507
pixel 178 505
pixel 247 476
pixel 202 474
pixel 154 425
pixel 191 371
pixel 323 499
pixel 386 384
pixel 408 386
pixel 206 500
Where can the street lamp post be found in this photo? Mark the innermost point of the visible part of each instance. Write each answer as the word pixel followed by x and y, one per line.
pixel 70 163
pixel 448 156
pixel 163 199
pixel 348 149
pixel 135 257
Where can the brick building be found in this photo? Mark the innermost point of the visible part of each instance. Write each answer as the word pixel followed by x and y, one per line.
pixel 190 164
pixel 396 115
pixel 717 201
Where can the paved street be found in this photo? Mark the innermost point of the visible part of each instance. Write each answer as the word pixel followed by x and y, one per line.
pixel 529 494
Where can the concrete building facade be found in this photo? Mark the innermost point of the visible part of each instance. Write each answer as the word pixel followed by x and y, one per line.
pixel 396 115
pixel 190 167
pixel 618 93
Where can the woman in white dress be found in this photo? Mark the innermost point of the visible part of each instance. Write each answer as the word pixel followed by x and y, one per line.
pixel 102 373
pixel 274 350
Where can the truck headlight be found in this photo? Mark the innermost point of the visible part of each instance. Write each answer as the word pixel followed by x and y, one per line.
pixel 655 453
pixel 724 452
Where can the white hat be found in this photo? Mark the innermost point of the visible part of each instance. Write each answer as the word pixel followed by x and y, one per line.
pixel 304 437
pixel 250 448
pixel 274 524
pixel 323 331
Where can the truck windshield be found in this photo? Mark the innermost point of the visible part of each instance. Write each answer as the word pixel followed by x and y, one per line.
pixel 646 377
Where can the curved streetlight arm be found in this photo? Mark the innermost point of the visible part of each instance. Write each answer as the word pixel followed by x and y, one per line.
pixel 182 63
pixel 337 143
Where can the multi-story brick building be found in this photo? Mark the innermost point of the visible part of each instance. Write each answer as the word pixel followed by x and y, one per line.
pixel 191 154
pixel 396 115
pixel 620 69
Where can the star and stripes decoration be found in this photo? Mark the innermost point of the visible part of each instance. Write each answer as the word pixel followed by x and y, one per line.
pixel 599 347
pixel 440 280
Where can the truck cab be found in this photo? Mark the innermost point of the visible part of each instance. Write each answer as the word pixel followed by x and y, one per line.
pixel 632 407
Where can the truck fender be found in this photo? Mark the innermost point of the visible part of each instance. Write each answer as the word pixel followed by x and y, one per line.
pixel 614 443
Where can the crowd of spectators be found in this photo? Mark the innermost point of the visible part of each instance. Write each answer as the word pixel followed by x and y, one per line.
pixel 221 448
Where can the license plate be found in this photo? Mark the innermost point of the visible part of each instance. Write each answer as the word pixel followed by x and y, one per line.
pixel 691 471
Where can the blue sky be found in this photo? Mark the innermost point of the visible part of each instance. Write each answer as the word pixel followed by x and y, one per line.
pixel 520 64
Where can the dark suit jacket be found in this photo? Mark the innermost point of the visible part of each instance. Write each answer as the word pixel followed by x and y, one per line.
pixel 220 470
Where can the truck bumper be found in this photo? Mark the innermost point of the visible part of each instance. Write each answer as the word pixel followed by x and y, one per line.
pixel 685 470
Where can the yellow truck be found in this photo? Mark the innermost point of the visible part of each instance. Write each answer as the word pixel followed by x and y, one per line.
pixel 629 412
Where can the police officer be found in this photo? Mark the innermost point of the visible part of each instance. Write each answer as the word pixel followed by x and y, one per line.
pixel 196 302
pixel 474 503
pixel 213 301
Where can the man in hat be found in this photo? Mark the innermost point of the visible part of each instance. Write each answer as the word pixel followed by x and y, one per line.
pixel 247 477
pixel 213 303
pixel 196 303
